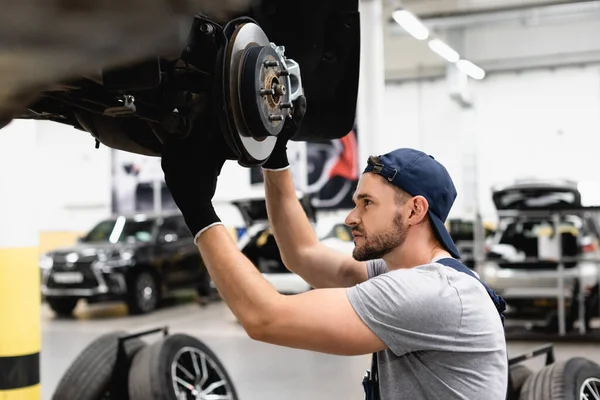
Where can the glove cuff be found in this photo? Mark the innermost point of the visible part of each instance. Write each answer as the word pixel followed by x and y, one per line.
pixel 276 169
pixel 278 159
pixel 204 230
pixel 199 219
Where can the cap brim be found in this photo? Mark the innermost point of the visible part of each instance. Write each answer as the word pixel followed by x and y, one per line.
pixel 443 235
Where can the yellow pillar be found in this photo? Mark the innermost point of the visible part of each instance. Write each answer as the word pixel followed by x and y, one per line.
pixel 20 330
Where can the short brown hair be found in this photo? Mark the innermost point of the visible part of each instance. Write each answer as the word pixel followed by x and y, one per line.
pixel 402 196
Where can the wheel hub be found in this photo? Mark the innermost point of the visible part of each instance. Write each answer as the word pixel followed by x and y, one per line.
pixel 146 295
pixel 259 86
pixel 263 94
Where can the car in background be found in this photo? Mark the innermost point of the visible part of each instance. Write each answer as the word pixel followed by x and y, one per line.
pixel 258 243
pixel 462 232
pixel 514 266
pixel 137 259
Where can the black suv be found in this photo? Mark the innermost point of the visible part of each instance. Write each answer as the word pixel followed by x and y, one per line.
pixel 137 259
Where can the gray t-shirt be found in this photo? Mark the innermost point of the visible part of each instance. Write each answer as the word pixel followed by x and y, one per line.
pixel 444 337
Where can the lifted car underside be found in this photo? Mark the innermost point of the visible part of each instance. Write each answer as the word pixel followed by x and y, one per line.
pixel 134 73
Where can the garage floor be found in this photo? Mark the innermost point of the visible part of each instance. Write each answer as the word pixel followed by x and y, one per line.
pixel 259 371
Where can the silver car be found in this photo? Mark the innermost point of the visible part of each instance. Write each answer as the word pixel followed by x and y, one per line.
pixel 517 264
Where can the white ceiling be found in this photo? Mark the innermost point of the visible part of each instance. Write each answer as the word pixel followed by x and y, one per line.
pixel 498 35
pixel 430 8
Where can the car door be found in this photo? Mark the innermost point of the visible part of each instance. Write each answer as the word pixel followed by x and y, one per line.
pixel 171 251
pixel 190 262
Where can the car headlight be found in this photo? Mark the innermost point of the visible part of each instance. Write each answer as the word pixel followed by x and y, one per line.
pixel 126 255
pixel 45 262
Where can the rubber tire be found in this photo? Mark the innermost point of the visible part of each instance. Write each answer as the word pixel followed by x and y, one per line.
pixel 89 375
pixel 150 374
pixel 131 299
pixel 519 373
pixel 63 307
pixel 559 381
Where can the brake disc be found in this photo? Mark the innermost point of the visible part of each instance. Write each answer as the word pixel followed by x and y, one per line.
pixel 260 85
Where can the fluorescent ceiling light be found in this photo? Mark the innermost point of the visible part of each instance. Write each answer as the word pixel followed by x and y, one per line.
pixel 470 69
pixel 443 50
pixel 411 24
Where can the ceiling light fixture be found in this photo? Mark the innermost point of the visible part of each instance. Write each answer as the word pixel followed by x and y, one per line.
pixel 443 50
pixel 470 69
pixel 411 24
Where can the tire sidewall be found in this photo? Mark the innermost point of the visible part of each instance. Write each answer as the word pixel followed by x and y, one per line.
pixel 77 382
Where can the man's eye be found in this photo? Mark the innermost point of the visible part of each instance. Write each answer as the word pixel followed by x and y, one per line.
pixel 367 202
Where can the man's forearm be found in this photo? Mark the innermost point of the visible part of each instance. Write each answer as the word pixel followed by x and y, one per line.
pixel 250 297
pixel 289 222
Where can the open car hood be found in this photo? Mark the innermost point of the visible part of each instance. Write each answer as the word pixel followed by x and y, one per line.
pixel 254 210
pixel 537 194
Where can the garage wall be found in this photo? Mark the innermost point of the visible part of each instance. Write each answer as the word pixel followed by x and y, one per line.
pixel 530 124
pixel 73 183
pixel 422 116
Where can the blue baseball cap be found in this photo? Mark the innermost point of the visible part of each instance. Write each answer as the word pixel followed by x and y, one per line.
pixel 419 174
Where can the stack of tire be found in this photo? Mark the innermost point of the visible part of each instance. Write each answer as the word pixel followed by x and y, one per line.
pixel 574 379
pixel 176 367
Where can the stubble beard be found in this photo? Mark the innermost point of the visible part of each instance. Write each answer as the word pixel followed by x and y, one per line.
pixel 376 246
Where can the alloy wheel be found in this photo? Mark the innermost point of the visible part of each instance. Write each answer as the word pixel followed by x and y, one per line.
pixel 146 292
pixel 196 376
pixel 590 389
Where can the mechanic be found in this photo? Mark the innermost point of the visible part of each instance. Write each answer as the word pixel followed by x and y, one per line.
pixel 434 331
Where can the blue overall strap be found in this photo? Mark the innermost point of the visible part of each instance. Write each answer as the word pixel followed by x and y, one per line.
pixel 460 267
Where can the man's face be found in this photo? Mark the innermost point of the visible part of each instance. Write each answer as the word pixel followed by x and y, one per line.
pixel 377 220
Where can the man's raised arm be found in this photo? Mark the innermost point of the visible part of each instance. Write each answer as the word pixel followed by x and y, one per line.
pixel 301 251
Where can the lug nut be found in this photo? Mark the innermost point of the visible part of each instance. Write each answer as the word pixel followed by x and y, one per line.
pixel 285 105
pixel 276 117
pixel 283 72
pixel 271 63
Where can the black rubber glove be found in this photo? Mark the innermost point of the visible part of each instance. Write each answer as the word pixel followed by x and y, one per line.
pixel 192 167
pixel 278 159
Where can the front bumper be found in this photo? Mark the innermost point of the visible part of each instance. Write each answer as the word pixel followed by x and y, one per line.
pixel 531 283
pixel 90 281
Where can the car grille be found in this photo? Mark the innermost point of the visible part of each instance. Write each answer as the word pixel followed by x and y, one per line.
pixel 89 278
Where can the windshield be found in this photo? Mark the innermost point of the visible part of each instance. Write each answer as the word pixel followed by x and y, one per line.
pixel 120 230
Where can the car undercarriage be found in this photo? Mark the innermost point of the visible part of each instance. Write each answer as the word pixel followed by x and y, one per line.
pixel 135 74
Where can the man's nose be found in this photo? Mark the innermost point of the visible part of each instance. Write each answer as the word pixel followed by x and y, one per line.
pixel 352 219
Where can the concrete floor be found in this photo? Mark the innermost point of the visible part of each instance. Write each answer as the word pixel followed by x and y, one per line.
pixel 259 371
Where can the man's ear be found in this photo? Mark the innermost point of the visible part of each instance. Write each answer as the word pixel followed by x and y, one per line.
pixel 418 210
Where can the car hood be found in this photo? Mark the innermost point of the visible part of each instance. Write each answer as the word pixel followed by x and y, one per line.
pixel 537 195
pixel 92 251
pixel 254 210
